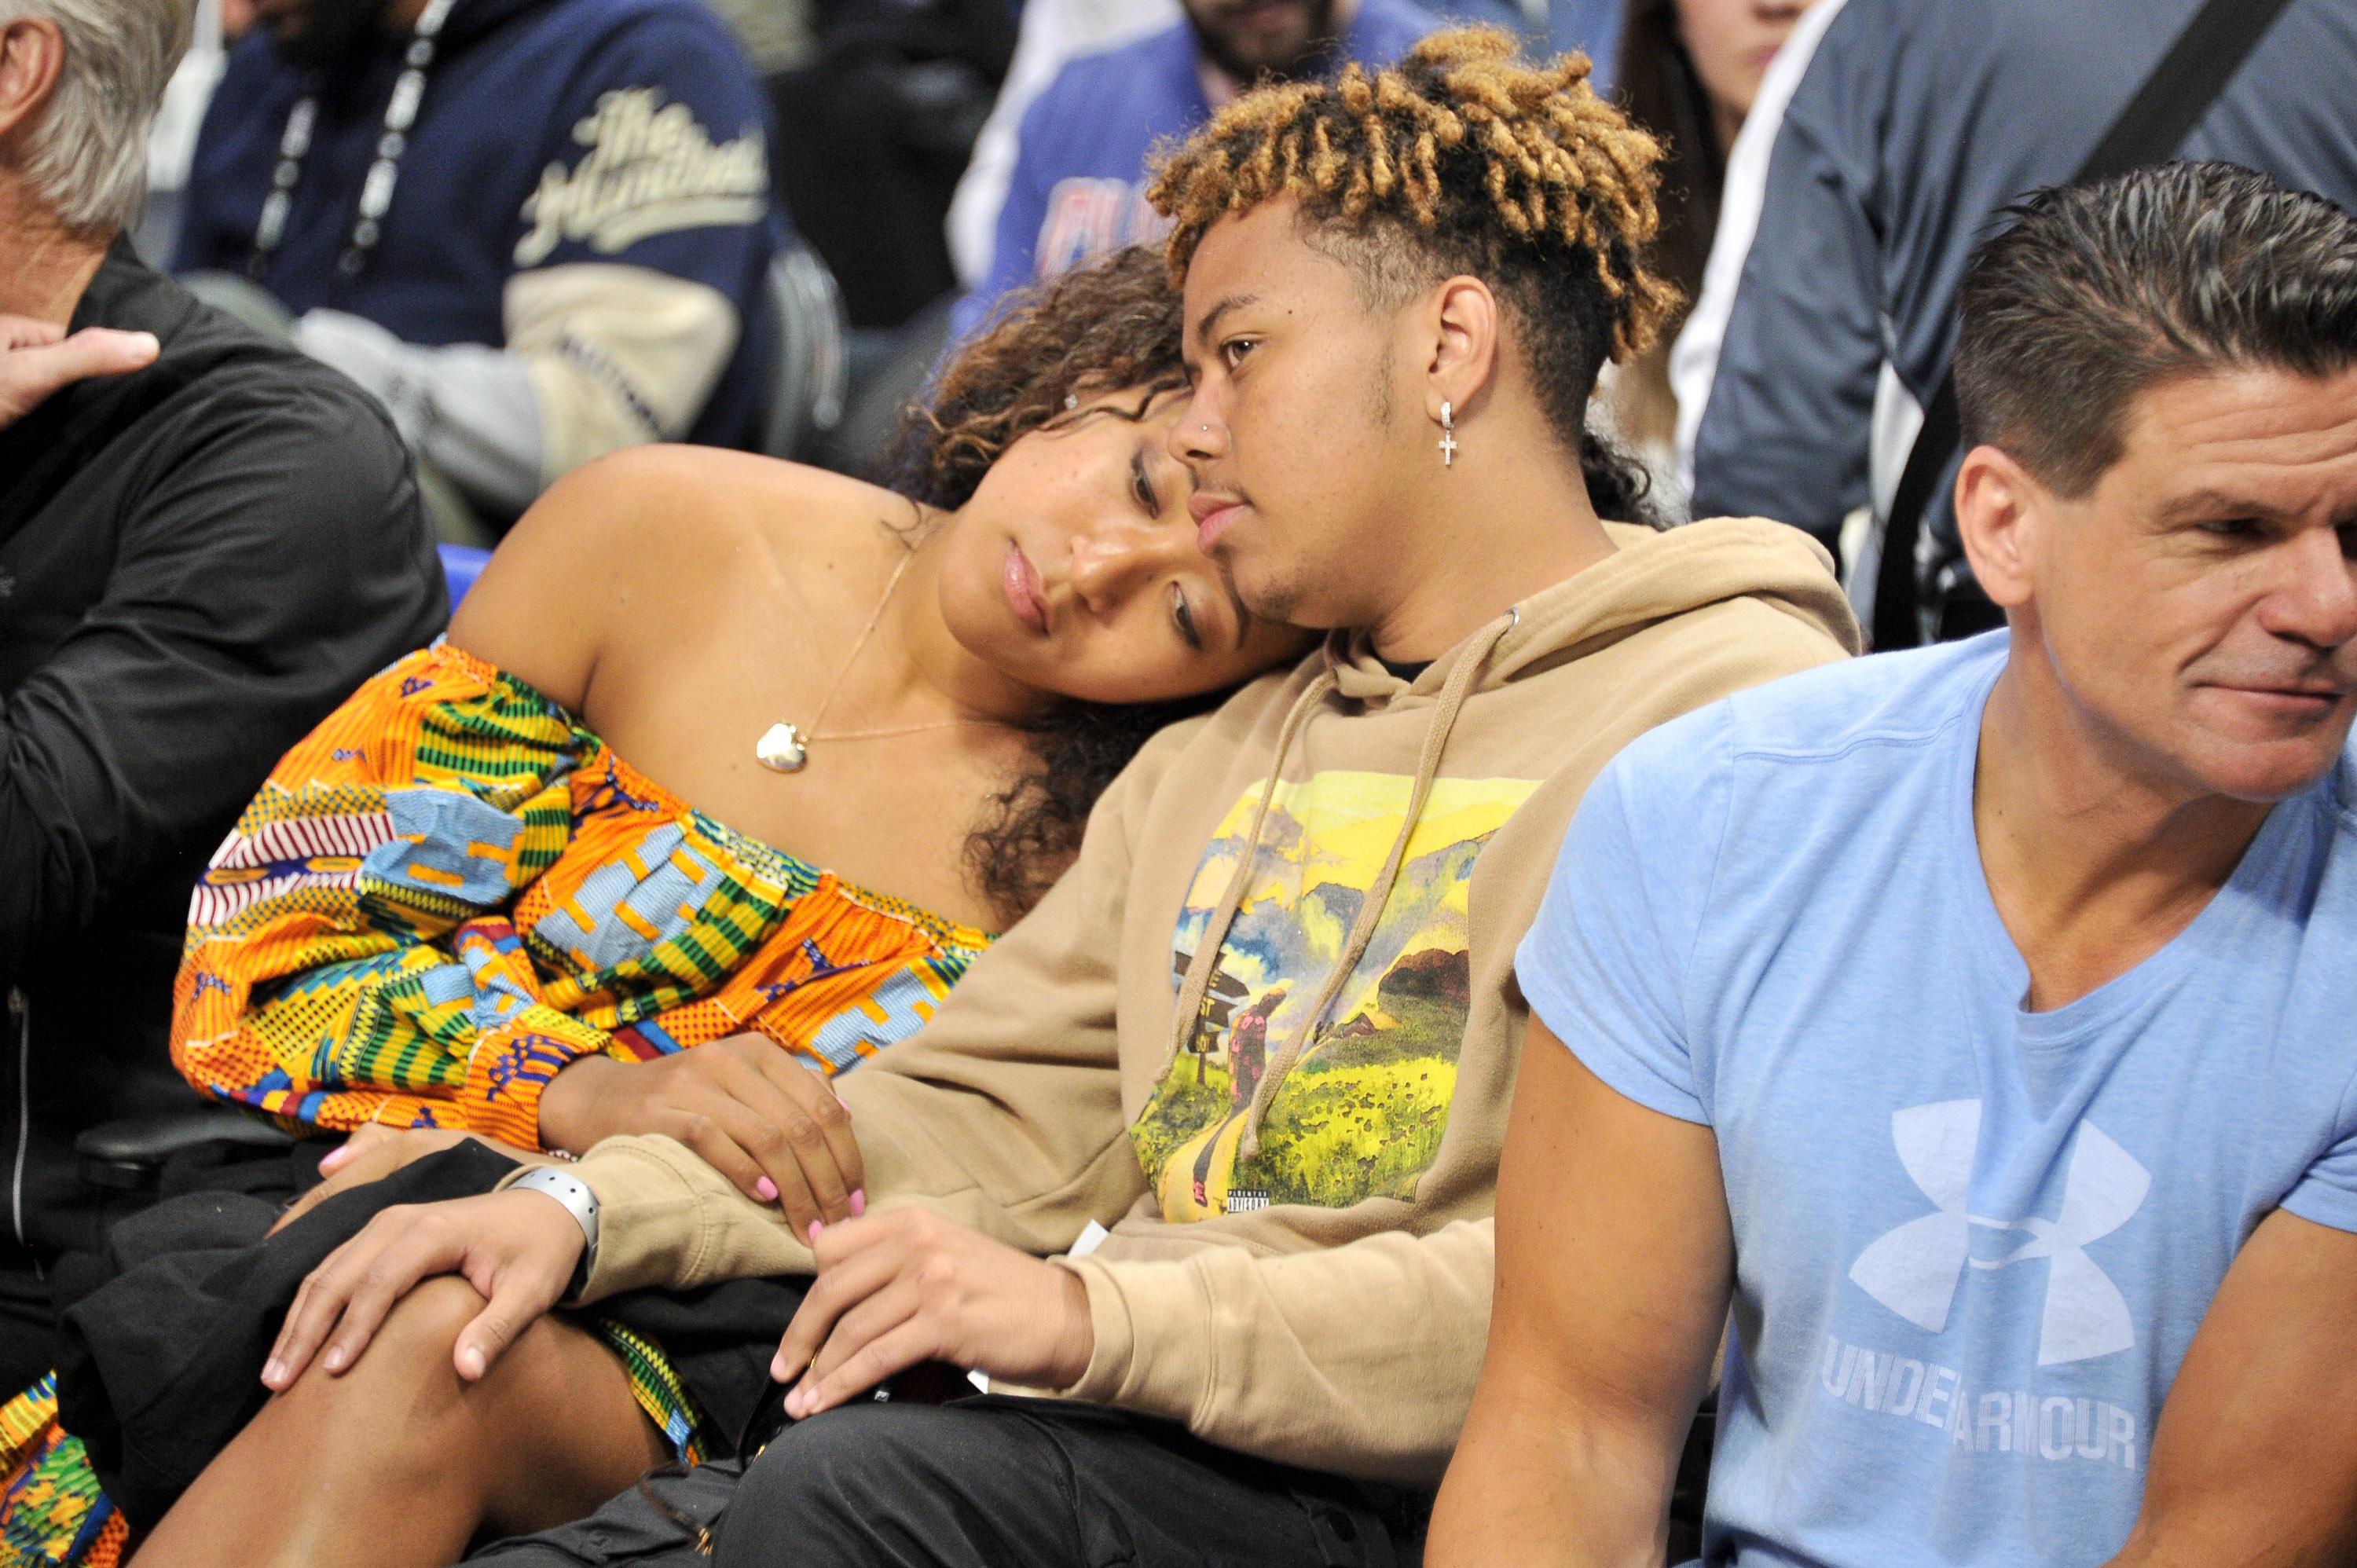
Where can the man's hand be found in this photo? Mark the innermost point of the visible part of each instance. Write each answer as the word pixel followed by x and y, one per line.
pixel 517 1249
pixel 910 1286
pixel 37 359
pixel 374 1153
pixel 747 1105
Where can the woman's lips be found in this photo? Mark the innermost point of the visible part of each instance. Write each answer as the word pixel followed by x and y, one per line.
pixel 1021 581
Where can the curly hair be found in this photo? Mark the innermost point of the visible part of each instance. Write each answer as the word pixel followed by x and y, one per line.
pixel 1113 326
pixel 1462 159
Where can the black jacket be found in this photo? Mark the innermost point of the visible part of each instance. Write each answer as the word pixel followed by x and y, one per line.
pixel 197 562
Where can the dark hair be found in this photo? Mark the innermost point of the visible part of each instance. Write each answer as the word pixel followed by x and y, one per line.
pixel 1460 159
pixel 1656 79
pixel 2105 289
pixel 1108 327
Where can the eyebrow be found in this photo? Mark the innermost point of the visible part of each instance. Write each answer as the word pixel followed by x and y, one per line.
pixel 2214 503
pixel 1205 328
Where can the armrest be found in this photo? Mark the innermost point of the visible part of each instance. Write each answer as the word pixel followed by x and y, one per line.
pixel 129 1155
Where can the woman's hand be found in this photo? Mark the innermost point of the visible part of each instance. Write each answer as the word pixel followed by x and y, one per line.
pixel 910 1286
pixel 373 1151
pixel 745 1104
pixel 517 1249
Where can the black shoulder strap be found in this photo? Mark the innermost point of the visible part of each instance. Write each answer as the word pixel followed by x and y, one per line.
pixel 2155 123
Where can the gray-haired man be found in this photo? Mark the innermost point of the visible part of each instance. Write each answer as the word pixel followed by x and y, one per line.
pixel 201 552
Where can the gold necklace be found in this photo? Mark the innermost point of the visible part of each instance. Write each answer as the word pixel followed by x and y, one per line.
pixel 785 748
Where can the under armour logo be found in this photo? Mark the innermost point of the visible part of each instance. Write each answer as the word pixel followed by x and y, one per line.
pixel 1915 1269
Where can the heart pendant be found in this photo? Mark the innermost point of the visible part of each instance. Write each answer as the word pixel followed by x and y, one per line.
pixel 782 749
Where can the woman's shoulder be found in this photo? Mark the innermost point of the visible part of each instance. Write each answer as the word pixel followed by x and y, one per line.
pixel 639 536
pixel 657 505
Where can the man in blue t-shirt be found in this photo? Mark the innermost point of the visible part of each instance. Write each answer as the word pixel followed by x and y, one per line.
pixel 1978 1022
pixel 1079 185
pixel 538 229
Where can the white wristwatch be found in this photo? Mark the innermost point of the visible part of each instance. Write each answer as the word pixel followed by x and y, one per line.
pixel 579 1202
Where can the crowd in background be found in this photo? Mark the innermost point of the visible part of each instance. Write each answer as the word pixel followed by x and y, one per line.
pixel 1793 328
pixel 924 157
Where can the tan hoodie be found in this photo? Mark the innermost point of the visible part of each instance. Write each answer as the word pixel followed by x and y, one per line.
pixel 1299 1187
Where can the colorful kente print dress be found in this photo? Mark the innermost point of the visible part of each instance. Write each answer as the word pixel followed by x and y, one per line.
pixel 444 894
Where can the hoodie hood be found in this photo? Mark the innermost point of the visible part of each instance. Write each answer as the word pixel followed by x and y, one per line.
pixel 1652 576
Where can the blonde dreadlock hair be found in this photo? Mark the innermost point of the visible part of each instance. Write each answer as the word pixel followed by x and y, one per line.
pixel 1462 159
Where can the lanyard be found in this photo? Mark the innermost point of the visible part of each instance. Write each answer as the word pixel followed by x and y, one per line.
pixel 376 191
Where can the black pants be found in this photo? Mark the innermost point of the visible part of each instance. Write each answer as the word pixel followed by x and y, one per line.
pixel 1044 1484
pixel 28 1328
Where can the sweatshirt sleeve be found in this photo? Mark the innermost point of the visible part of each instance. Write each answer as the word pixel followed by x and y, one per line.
pixel 276 560
pixel 1003 1112
pixel 1786 431
pixel 1250 1353
pixel 1015 235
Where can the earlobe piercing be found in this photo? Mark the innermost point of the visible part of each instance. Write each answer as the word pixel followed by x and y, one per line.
pixel 1448 437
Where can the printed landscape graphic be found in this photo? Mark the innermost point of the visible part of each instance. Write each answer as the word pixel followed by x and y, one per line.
pixel 1361 1113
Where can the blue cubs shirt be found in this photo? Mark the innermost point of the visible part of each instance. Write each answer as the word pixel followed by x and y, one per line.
pixel 1078 190
pixel 551 132
pixel 1973 1243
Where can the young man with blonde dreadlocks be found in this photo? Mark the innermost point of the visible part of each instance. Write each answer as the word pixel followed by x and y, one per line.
pixel 1267 1028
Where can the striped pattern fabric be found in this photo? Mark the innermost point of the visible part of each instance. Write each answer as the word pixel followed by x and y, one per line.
pixel 452 888
pixel 656 1385
pixel 52 1513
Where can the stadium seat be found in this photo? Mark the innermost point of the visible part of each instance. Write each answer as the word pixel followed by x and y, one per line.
pixel 128 1156
pixel 461 565
pixel 805 387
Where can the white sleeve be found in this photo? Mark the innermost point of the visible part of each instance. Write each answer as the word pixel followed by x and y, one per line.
pixel 1052 32
pixel 1693 358
pixel 618 355
pixel 467 409
pixel 597 356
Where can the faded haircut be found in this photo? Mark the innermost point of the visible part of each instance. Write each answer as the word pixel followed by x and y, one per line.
pixel 2102 290
pixel 88 159
pixel 1462 158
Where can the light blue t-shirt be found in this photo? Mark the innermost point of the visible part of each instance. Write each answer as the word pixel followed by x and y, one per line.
pixel 1971 1242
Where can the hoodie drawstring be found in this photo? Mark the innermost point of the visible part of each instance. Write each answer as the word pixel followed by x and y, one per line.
pixel 1453 694
pixel 1207 951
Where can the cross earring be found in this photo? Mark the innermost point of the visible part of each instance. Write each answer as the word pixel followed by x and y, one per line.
pixel 1448 438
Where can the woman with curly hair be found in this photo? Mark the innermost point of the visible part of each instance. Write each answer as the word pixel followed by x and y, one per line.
pixel 1265 1030
pixel 722 773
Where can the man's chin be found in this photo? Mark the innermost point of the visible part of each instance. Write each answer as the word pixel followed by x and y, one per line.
pixel 2250 758
pixel 1297 52
pixel 1268 600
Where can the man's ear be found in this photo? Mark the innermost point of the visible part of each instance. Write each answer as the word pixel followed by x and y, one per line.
pixel 1462 315
pixel 32 52
pixel 2002 515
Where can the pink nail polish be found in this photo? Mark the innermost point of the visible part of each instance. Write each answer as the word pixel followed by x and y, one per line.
pixel 768 1190
pixel 816 1226
pixel 859 1203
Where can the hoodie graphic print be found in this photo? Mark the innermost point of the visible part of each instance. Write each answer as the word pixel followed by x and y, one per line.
pixel 1361 1112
